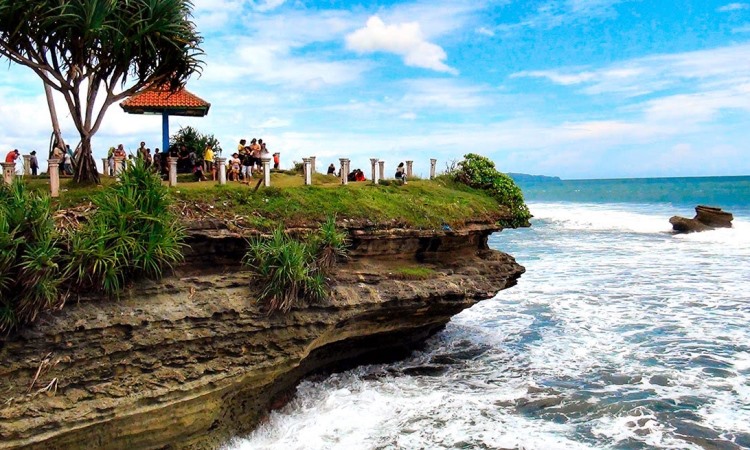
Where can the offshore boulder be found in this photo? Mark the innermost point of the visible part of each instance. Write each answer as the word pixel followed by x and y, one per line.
pixel 706 218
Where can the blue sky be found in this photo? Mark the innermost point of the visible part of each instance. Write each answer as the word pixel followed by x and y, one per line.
pixel 573 88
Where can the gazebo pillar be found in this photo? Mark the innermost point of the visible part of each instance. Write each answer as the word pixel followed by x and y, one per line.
pixel 165 131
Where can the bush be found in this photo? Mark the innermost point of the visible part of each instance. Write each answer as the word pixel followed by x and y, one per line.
pixel 133 233
pixel 479 172
pixel 291 270
pixel 30 257
pixel 194 141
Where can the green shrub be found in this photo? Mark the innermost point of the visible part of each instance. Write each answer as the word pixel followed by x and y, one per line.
pixel 330 244
pixel 30 257
pixel 291 270
pixel 286 269
pixel 479 172
pixel 194 141
pixel 133 233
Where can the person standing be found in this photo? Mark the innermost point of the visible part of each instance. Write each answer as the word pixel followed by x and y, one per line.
pixel 208 158
pixel 33 163
pixel 401 173
pixel 276 160
pixel 67 164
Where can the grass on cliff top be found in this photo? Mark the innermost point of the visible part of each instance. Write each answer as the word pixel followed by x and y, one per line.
pixel 419 204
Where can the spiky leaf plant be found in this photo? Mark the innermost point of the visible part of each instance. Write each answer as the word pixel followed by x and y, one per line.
pixel 30 257
pixel 133 233
pixel 330 244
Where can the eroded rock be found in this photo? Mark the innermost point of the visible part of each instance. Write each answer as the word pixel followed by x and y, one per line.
pixel 706 218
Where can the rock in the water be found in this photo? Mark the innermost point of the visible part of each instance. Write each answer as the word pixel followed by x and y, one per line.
pixel 706 218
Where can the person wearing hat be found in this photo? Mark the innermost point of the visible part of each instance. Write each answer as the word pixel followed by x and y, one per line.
pixel 33 163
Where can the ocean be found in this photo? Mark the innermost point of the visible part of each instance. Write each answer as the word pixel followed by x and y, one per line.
pixel 620 335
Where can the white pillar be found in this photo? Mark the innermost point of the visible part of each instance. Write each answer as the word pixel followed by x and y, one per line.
pixel 432 168
pixel 312 165
pixel 9 172
pixel 119 165
pixel 172 165
pixel 344 170
pixel 409 166
pixel 266 160
pixel 307 170
pixel 381 164
pixel 221 164
pixel 26 165
pixel 374 162
pixel 105 163
pixel 53 169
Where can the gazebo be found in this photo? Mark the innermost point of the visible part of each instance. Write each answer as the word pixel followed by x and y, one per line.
pixel 159 100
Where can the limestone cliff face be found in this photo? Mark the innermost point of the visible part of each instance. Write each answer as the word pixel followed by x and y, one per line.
pixel 193 360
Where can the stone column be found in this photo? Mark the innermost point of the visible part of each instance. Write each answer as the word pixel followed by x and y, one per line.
pixel 26 165
pixel 172 165
pixel 307 170
pixel 344 170
pixel 374 162
pixel 221 164
pixel 9 172
pixel 53 169
pixel 266 160
pixel 432 168
pixel 381 165
pixel 409 168
pixel 312 165
pixel 105 166
pixel 119 165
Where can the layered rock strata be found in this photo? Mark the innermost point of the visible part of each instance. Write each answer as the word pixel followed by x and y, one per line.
pixel 706 218
pixel 193 360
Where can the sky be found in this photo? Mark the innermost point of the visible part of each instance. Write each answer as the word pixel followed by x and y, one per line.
pixel 569 88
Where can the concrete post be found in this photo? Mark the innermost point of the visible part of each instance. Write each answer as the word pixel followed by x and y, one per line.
pixel 432 168
pixel 307 170
pixel 381 164
pixel 172 165
pixel 9 172
pixel 343 171
pixel 119 165
pixel 374 163
pixel 409 168
pixel 312 165
pixel 105 163
pixel 26 165
pixel 53 169
pixel 221 164
pixel 266 160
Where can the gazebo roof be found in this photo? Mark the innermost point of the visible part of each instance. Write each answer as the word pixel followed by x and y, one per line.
pixel 158 100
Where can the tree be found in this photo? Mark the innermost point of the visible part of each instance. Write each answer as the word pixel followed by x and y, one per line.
pixel 98 52
pixel 195 141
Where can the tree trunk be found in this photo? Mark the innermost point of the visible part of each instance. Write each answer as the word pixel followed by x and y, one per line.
pixel 86 171
pixel 53 116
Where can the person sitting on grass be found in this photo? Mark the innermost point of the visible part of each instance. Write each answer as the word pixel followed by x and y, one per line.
pixel 359 175
pixel 198 171
pixel 401 173
pixel 331 170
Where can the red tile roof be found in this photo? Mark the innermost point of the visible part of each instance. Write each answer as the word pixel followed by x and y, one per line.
pixel 156 100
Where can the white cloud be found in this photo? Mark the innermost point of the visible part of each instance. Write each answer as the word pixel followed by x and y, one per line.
pixel 275 122
pixel 404 39
pixel 733 7
pixel 268 5
pixel 485 31
pixel 742 29
pixel 408 116
pixel 556 13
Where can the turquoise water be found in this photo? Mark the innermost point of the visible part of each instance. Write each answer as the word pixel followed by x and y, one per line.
pixel 620 335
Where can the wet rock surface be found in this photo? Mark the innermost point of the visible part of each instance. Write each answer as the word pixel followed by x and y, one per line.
pixel 194 360
pixel 706 218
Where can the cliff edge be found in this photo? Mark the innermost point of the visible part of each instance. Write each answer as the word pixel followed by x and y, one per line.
pixel 192 360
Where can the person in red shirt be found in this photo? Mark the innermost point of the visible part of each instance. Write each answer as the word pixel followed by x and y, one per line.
pixel 12 156
pixel 276 161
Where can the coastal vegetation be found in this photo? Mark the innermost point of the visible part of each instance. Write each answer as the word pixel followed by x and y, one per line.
pixel 96 53
pixel 194 141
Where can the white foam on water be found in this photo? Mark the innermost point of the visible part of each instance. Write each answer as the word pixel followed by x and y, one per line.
pixel 621 330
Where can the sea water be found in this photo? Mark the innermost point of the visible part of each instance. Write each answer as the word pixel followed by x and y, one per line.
pixel 620 335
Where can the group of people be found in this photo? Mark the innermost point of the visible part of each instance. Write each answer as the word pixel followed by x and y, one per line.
pixel 248 160
pixel 358 175
pixel 13 155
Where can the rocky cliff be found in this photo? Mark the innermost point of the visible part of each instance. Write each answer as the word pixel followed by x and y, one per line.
pixel 192 360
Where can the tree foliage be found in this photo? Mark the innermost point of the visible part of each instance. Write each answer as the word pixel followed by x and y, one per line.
pixel 479 172
pixel 98 52
pixel 195 141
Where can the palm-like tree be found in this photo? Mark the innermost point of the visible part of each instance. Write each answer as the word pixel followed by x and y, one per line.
pixel 98 52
